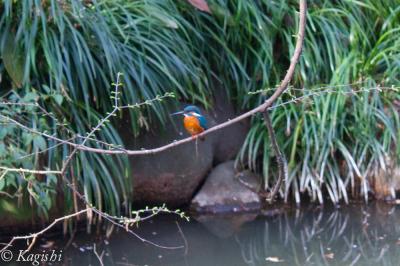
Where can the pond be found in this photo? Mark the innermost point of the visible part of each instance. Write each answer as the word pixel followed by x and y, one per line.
pixel 354 234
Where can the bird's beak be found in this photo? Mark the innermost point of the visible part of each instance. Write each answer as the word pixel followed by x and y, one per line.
pixel 177 113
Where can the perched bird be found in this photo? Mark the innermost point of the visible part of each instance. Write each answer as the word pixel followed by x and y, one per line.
pixel 193 120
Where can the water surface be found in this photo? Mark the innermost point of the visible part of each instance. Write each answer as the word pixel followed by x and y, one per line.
pixel 349 235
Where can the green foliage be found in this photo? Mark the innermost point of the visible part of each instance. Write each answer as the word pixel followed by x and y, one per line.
pixel 16 144
pixel 67 53
pixel 27 150
pixel 335 141
pixel 76 48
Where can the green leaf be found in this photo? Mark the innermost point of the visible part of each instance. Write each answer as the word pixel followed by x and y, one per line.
pixel 58 98
pixel 45 199
pixel 27 138
pixel 12 181
pixel 51 179
pixel 2 183
pixel 39 141
pixel 30 97
pixel 3 132
pixel 3 149
pixel 13 61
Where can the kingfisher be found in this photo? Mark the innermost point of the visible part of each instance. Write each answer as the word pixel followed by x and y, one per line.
pixel 193 121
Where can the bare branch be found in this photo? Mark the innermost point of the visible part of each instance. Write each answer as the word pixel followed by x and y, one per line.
pixel 282 165
pixel 10 195
pixel 35 235
pixel 37 172
pixel 184 238
pixel 99 257
pixel 280 157
pixel 101 123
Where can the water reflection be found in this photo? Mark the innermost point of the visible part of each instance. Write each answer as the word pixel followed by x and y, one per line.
pixel 351 235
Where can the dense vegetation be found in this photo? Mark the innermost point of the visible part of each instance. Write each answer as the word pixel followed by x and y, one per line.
pixel 64 55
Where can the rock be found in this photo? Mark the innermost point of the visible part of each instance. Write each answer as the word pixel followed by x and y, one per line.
pixel 223 192
pixel 172 176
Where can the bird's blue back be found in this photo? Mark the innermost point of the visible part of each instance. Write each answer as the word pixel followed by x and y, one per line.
pixel 203 122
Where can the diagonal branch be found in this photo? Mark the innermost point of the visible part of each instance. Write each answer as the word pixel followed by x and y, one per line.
pixel 47 228
pixel 280 157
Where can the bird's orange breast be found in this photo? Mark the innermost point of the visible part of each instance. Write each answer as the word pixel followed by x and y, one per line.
pixel 192 125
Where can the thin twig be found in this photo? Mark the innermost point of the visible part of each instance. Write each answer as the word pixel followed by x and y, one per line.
pixel 45 150
pixel 16 195
pixel 35 235
pixel 184 238
pixel 99 257
pixel 37 172
pixel 280 157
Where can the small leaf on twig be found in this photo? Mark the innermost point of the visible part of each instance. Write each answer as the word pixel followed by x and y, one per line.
pixel 201 5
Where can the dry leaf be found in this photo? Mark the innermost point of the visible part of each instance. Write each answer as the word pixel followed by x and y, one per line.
pixel 201 5
pixel 329 255
pixel 274 259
